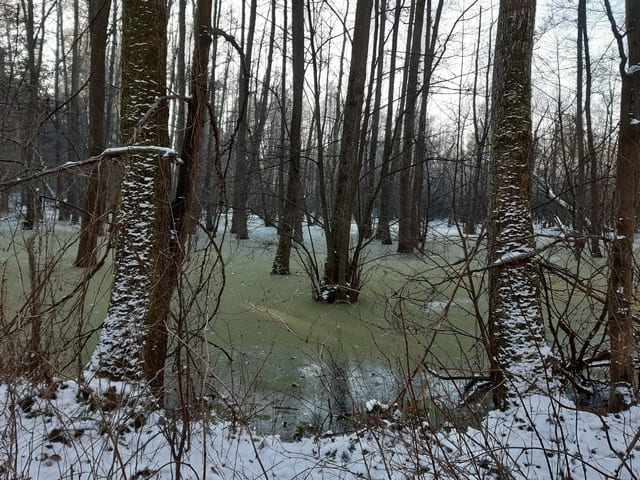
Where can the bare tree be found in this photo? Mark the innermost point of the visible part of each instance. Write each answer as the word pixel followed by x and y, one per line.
pixel 292 207
pixel 595 210
pixel 367 190
pixel 620 292
pixel 432 25
pixel 517 347
pixel 182 221
pixel 34 32
pixel 281 188
pixel 406 241
pixel 383 232
pixel 242 170
pixel 580 187
pixel 144 207
pixel 90 226
pixel 342 271
pixel 480 134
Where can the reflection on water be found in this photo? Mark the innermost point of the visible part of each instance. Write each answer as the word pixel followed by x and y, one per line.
pixel 297 397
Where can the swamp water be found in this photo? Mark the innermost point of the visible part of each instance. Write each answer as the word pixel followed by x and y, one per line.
pixel 296 365
pixel 300 367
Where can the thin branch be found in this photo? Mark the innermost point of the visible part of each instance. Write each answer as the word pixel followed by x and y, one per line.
pixel 619 38
pixel 164 152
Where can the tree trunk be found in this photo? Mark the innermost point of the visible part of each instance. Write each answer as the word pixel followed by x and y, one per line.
pixel 332 158
pixel 144 208
pixel 292 209
pixel 580 186
pixel 280 187
pixel 210 193
pixel 406 241
pixel 368 191
pixel 620 293
pixel 262 111
pixel 32 189
pixel 480 134
pixel 383 231
pixel 91 223
pixel 595 215
pixel 341 271
pixel 518 349
pixel 180 80
pixel 113 172
pixel 242 174
pixel 420 153
pixel 159 316
pixel 112 120
pixel 321 183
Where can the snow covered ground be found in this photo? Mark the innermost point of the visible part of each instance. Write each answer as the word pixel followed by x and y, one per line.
pixel 55 436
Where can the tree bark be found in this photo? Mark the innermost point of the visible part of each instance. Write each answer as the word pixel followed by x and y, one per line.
pixel 620 293
pixel 292 208
pixel 144 207
pixel 406 241
pixel 383 231
pixel 90 226
pixel 518 350
pixel 180 75
pixel 341 271
pixel 169 266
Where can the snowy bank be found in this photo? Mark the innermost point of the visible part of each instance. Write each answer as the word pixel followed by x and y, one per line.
pixel 56 435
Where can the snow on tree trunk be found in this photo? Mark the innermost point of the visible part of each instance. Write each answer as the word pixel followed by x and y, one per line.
pixel 621 264
pixel 517 345
pixel 143 211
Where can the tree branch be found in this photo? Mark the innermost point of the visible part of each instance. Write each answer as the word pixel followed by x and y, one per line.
pixel 164 152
